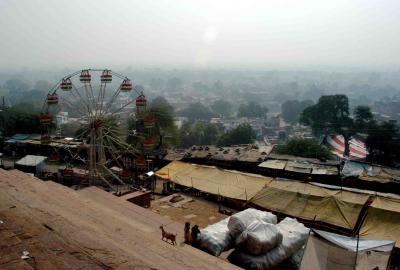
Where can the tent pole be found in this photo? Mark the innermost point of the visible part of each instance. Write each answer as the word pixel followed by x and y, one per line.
pixel 358 240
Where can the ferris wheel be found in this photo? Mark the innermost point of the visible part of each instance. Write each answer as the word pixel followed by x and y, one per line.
pixel 101 101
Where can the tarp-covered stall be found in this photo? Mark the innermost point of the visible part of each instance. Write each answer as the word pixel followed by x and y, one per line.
pixel 330 251
pixel 226 183
pixel 305 201
pixel 168 172
pixel 383 220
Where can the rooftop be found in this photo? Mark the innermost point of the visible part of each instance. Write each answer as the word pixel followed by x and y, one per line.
pixel 66 229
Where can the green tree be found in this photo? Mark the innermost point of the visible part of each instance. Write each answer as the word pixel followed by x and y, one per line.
pixel 243 134
pixel 330 115
pixel 196 111
pixel 186 136
pixel 222 108
pixel 16 121
pixel 70 129
pixel 199 133
pixel 252 109
pixel 383 143
pixel 291 109
pixel 363 118
pixel 308 148
pixel 164 115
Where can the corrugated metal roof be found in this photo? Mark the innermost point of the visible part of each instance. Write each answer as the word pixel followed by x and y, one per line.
pixel 273 164
pixel 293 166
pixel 324 170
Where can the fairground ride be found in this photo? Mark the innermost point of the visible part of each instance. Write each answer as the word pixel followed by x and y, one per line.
pixel 101 101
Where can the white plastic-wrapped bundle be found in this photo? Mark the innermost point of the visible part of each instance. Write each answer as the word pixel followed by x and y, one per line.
pixel 294 237
pixel 241 220
pixel 215 238
pixel 258 238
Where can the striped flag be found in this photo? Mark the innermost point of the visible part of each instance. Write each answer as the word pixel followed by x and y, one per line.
pixel 358 150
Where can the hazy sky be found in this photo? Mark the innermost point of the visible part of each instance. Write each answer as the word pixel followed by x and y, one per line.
pixel 202 33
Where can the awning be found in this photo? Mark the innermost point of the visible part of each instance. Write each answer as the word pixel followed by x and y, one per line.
pixel 309 202
pixel 227 183
pixel 383 220
pixel 350 243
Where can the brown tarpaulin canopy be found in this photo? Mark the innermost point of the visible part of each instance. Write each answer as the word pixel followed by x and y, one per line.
pixel 302 200
pixel 383 220
pixel 227 183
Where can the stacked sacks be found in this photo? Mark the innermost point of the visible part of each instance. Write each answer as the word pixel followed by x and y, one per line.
pixel 260 242
pixel 241 220
pixel 220 237
pixel 294 237
pixel 258 238
pixel 216 238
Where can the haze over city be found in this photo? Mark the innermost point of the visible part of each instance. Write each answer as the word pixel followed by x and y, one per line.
pixel 200 34
pixel 200 134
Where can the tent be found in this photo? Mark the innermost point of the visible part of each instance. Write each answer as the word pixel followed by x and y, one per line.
pixel 330 251
pixel 213 180
pixel 309 202
pixel 357 148
pixel 383 220
pixel 168 172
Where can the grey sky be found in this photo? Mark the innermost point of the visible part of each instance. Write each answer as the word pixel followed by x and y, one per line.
pixel 202 33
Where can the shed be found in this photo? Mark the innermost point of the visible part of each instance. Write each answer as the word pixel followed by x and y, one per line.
pixel 325 251
pixel 31 164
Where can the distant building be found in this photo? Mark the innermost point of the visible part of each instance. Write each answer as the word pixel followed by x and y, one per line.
pixel 62 117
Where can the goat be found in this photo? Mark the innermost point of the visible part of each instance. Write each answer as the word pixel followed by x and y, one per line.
pixel 168 236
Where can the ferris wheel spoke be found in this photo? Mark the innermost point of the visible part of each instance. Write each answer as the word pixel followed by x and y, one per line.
pixel 91 92
pixel 72 106
pixel 79 97
pixel 114 96
pixel 100 98
pixel 82 133
pixel 115 141
pixel 123 107
pixel 90 97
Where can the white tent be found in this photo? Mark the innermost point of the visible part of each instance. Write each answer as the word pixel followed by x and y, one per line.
pixel 330 251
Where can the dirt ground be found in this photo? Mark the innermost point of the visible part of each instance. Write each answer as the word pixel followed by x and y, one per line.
pixel 192 209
